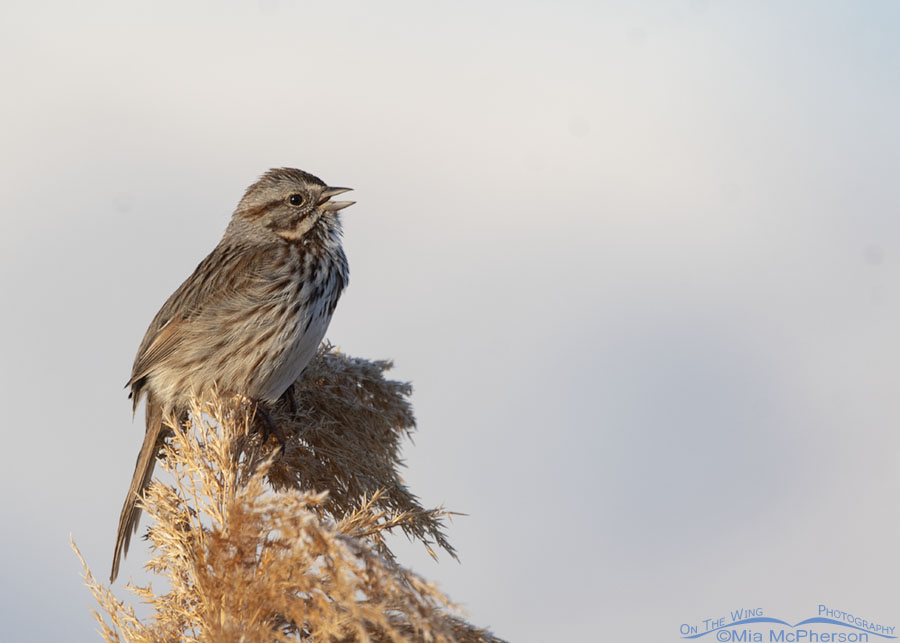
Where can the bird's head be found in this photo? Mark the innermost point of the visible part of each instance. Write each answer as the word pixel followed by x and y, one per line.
pixel 289 203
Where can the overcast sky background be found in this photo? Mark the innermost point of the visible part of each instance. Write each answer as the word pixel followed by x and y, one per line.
pixel 639 259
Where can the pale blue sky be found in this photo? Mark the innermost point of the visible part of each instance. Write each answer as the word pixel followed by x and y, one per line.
pixel 640 261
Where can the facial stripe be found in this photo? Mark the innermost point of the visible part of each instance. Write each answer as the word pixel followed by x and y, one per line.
pixel 255 213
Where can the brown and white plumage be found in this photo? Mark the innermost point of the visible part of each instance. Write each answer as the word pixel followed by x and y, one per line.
pixel 248 320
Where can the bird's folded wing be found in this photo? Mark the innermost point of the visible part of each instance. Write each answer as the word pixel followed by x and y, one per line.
pixel 226 279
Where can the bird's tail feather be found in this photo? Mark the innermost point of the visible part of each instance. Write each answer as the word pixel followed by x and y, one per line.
pixel 143 471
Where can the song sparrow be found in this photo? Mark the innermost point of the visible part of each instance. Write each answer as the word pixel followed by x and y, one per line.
pixel 249 318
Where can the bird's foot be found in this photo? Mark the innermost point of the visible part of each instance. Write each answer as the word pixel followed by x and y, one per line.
pixel 269 426
pixel 290 399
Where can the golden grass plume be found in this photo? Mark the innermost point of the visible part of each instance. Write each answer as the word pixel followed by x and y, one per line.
pixel 258 545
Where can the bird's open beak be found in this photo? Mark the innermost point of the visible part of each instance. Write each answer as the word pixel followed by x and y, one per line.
pixel 333 206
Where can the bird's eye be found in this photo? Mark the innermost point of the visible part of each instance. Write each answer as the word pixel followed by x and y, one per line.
pixel 295 199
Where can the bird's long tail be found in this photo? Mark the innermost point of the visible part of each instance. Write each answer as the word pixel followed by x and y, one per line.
pixel 143 471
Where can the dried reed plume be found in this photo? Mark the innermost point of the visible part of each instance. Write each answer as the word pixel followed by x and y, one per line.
pixel 262 546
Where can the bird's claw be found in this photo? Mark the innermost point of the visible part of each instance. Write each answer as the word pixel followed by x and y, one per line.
pixel 270 427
